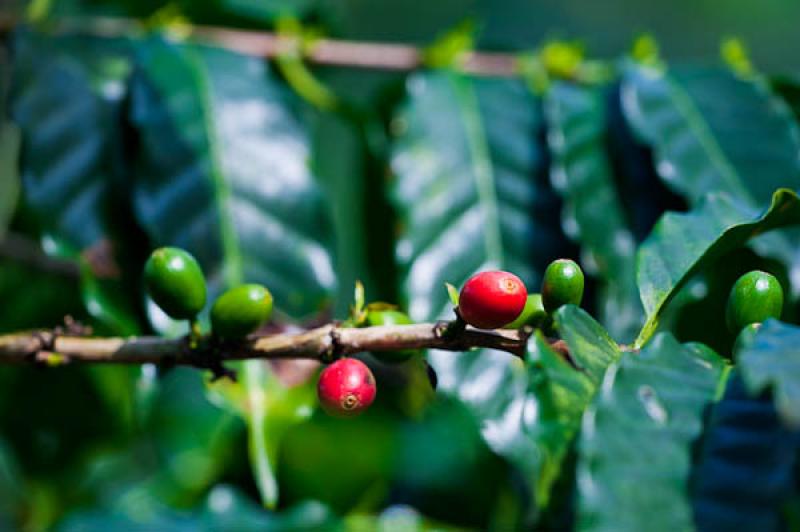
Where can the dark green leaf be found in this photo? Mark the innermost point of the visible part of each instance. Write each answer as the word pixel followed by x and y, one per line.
pixel 225 510
pixel 788 87
pixel 224 174
pixel 591 349
pixel 744 473
pixel 593 212
pixel 636 439
pixel 471 193
pixel 681 244
pixel 714 132
pixel 70 160
pixel 772 362
pixel 744 144
pixel 561 392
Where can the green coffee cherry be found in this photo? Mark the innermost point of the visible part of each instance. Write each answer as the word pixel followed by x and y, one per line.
pixel 562 285
pixel 175 282
pixel 533 314
pixel 240 311
pixel 755 297
pixel 390 317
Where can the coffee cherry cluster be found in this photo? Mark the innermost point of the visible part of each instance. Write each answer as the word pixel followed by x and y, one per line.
pixel 494 299
pixel 175 282
pixel 346 387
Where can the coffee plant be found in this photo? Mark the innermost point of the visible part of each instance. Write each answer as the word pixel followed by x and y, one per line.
pixel 576 281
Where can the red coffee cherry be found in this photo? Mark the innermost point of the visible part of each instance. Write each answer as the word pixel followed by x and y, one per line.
pixel 492 299
pixel 346 388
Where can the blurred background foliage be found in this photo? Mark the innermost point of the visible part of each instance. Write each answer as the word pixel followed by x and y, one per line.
pixel 309 180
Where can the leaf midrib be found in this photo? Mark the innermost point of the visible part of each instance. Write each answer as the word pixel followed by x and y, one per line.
pixel 233 274
pixel 477 144
pixel 232 271
pixel 702 130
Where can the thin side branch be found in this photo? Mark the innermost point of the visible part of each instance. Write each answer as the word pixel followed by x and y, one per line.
pixel 330 52
pixel 323 344
pixel 19 248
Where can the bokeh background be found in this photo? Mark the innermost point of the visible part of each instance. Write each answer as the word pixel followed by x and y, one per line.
pixel 103 448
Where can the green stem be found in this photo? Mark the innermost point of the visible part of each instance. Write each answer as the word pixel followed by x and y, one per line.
pixel 195 331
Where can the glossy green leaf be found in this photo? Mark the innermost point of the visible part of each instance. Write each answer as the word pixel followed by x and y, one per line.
pixel 772 362
pixel 593 212
pixel 635 448
pixel 714 132
pixel 744 144
pixel 682 243
pixel 743 476
pixel 471 193
pixel 71 158
pixel 561 392
pixel 224 173
pixel 469 187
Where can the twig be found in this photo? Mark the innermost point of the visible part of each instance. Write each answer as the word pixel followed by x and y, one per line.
pixel 332 52
pixel 323 343
pixel 19 248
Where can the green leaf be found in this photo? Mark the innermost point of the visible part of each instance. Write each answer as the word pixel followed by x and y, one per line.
pixel 70 159
pixel 471 193
pixel 743 476
pixel 562 391
pixel 636 439
pixel 713 132
pixel 235 190
pixel 744 144
pixel 681 244
pixel 469 187
pixel 593 213
pixel 225 509
pixel 772 362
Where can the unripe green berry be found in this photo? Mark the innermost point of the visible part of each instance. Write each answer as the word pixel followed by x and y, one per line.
pixel 533 314
pixel 390 317
pixel 175 282
pixel 755 297
pixel 562 285
pixel 240 311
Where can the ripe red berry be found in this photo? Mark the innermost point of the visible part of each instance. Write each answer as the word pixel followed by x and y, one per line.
pixel 346 388
pixel 492 299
